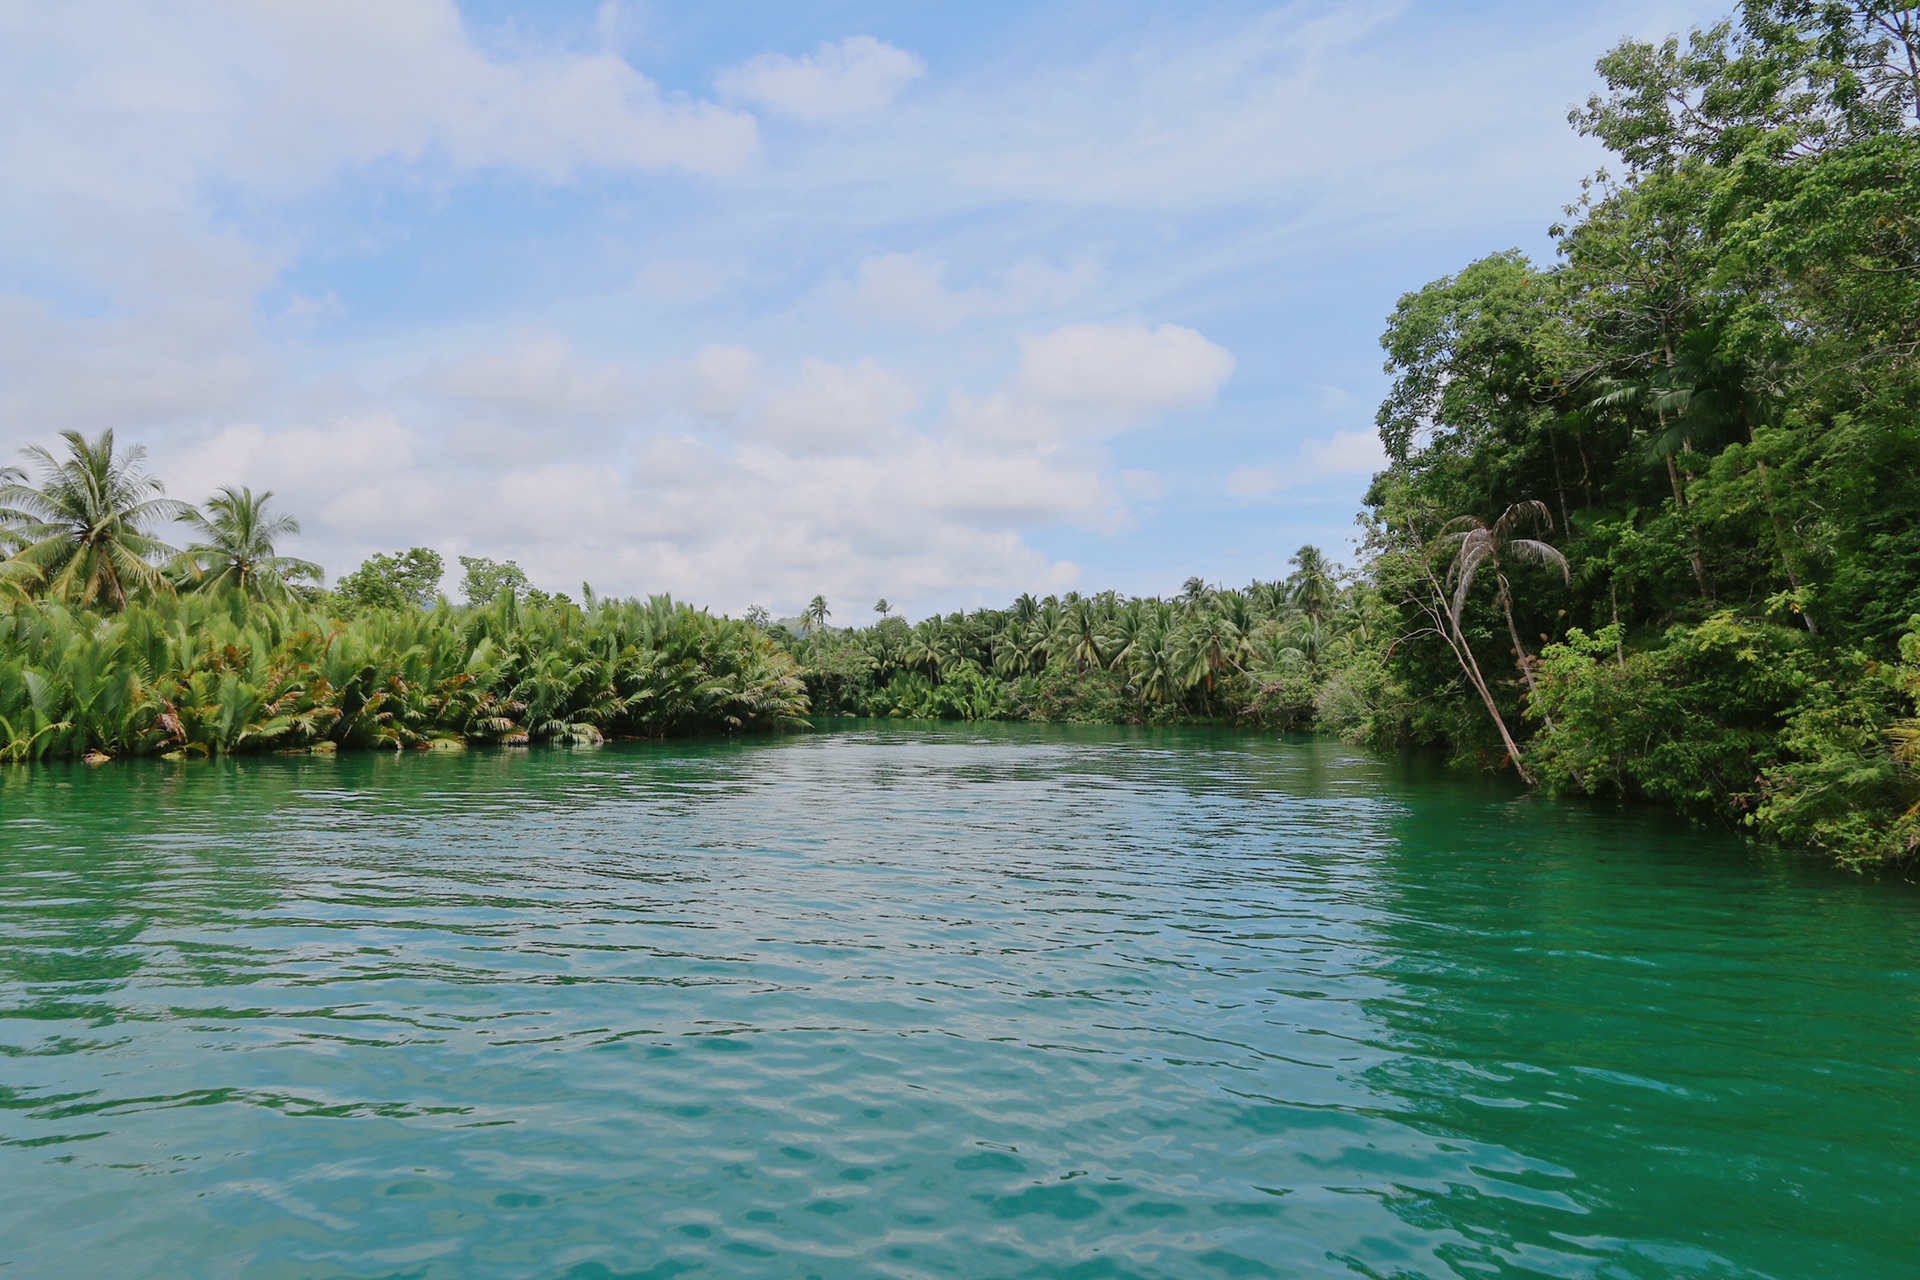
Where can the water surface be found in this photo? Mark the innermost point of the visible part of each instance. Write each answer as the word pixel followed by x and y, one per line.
pixel 912 1002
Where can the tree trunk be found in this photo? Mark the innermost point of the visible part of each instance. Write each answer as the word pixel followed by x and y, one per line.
pixel 1464 652
pixel 1519 649
pixel 1449 630
pixel 1619 645
pixel 1559 479
pixel 1780 539
pixel 1693 534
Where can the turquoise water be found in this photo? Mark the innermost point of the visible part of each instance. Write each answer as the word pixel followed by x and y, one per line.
pixel 1015 1001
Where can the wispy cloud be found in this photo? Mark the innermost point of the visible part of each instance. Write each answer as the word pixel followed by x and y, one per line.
pixel 654 306
pixel 1345 455
pixel 839 78
pixel 899 288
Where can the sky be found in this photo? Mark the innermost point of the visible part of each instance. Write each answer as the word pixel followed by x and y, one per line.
pixel 752 301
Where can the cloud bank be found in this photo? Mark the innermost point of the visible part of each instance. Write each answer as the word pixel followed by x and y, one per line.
pixel 939 312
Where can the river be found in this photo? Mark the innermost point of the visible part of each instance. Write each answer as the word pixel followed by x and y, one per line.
pixel 917 1001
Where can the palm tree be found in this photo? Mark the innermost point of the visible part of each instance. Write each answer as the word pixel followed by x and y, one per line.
pixel 814 619
pixel 1078 639
pixel 1687 395
pixel 10 476
pixel 15 577
pixel 82 532
pixel 883 608
pixel 1154 664
pixel 1478 544
pixel 238 531
pixel 927 648
pixel 1209 642
pixel 1429 601
pixel 1311 587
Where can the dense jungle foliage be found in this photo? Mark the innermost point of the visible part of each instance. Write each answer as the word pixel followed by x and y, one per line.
pixel 1650 526
pixel 1712 400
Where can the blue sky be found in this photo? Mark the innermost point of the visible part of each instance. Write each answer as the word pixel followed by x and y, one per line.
pixel 748 301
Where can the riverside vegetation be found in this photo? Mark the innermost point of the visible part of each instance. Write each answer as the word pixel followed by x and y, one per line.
pixel 224 648
pixel 1650 525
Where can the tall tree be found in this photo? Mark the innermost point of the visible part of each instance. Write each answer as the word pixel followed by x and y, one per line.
pixel 482 580
pixel 1311 587
pixel 238 530
pixel 1477 545
pixel 408 579
pixel 83 531
pixel 814 619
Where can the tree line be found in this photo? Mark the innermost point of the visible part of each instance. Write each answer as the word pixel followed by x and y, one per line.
pixel 113 642
pixel 1649 528
pixel 1257 655
pixel 1650 525
pixel 1711 401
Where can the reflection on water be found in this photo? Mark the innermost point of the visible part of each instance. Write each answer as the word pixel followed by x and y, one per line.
pixel 1008 1001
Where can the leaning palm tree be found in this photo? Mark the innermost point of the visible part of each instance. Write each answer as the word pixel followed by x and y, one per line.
pixel 82 533
pixel 1477 544
pixel 238 530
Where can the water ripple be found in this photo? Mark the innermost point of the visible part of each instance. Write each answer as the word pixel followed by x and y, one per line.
pixel 1011 1001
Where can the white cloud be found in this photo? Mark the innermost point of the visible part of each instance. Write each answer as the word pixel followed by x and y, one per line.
pixel 835 408
pixel 138 139
pixel 1324 115
pixel 1347 453
pixel 898 288
pixel 251 235
pixel 839 78
pixel 713 477
pixel 1331 397
pixel 170 331
pixel 1115 375
pixel 1343 455
pixel 281 97
pixel 1076 386
pixel 348 473
pixel 538 376
pixel 721 380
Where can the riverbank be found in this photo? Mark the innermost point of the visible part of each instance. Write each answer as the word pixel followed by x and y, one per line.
pixel 203 674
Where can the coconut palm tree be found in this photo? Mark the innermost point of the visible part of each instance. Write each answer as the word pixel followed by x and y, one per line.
pixel 82 533
pixel 1311 587
pixel 883 608
pixel 926 648
pixel 15 577
pixel 238 530
pixel 1209 642
pixel 1477 544
pixel 1078 640
pixel 9 523
pixel 1154 666
pixel 814 619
